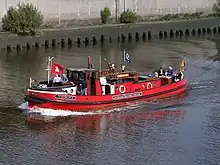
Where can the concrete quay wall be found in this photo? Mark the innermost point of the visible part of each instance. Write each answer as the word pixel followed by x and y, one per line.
pixel 108 33
pixel 90 9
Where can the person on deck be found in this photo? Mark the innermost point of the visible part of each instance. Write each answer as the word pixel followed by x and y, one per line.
pixel 161 72
pixel 113 67
pixel 123 68
pixel 170 71
pixel 83 88
pixel 64 78
pixel 92 66
pixel 156 74
pixel 57 81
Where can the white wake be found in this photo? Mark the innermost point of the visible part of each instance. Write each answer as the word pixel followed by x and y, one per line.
pixel 63 112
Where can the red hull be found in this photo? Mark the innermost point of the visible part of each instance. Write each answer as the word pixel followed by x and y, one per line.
pixel 94 103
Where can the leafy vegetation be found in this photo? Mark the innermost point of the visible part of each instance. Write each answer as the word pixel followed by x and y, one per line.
pixel 216 8
pixel 24 19
pixel 105 15
pixel 128 17
pixel 181 16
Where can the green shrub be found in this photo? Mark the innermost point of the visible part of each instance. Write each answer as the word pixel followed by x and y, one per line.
pixel 212 15
pixel 24 19
pixel 180 16
pixel 105 15
pixel 216 8
pixel 128 17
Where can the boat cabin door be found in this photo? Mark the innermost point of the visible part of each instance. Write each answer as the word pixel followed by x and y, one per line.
pixel 108 89
pixel 93 83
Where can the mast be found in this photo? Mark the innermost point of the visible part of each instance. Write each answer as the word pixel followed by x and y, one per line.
pixel 100 64
pixel 89 62
pixel 123 63
pixel 49 65
pixel 88 78
pixel 48 70
pixel 124 54
pixel 30 82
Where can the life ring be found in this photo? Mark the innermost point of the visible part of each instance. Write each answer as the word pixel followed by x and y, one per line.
pixel 149 85
pixel 122 89
pixel 70 91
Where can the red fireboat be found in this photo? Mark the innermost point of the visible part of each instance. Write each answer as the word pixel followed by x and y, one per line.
pixel 89 89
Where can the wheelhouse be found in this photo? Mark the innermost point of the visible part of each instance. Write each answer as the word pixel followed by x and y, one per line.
pixel 84 78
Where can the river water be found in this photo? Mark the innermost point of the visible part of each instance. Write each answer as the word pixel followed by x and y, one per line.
pixel 181 130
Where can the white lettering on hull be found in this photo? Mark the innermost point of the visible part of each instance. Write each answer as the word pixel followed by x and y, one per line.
pixel 125 96
pixel 67 97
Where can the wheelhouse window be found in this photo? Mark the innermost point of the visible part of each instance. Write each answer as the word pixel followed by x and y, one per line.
pixel 76 75
pixel 81 76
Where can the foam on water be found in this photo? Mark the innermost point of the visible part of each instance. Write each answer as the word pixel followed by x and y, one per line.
pixel 51 112
pixel 62 112
pixel 23 106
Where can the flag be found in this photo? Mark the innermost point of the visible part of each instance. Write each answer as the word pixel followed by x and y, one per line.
pixel 126 57
pixel 56 69
pixel 182 66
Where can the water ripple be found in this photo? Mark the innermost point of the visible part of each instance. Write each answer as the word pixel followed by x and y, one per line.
pixel 180 130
